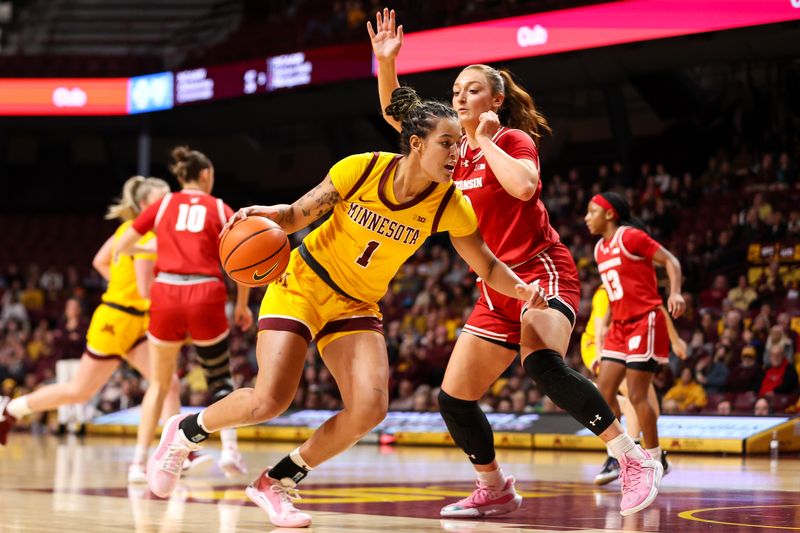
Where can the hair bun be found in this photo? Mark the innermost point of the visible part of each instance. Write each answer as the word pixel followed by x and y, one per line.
pixel 180 153
pixel 404 99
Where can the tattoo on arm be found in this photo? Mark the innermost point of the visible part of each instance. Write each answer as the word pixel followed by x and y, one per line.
pixel 318 201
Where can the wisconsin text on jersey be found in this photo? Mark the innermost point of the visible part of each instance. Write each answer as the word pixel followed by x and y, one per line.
pixel 465 185
pixel 381 225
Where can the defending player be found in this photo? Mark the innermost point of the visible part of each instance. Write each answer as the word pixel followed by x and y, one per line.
pixel 498 170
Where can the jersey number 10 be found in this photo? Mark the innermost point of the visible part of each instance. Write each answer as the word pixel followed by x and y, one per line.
pixel 611 283
pixel 191 218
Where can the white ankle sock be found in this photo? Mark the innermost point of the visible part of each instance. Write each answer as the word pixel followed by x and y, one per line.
pixel 298 459
pixel 655 453
pixel 200 421
pixel 228 438
pixel 140 454
pixel 624 444
pixel 18 407
pixel 494 479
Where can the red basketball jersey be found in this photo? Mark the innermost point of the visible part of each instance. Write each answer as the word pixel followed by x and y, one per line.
pixel 514 230
pixel 187 225
pixel 626 268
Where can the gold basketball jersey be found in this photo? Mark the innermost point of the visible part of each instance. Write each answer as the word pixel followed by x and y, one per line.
pixel 370 235
pixel 122 288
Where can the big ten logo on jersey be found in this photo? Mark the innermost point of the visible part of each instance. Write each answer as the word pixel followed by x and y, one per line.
pixel 191 217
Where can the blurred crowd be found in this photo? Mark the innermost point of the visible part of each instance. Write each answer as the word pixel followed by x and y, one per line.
pixel 730 226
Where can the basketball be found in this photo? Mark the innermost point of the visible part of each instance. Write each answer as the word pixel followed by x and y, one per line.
pixel 254 251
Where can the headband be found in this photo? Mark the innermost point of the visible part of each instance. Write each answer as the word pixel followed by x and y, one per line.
pixel 600 200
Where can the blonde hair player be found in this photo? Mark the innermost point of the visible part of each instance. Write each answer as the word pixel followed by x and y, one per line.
pixel 498 170
pixel 119 324
pixel 384 207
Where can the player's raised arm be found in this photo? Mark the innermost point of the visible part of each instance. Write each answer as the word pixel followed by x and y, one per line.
pixel 303 212
pixel 387 38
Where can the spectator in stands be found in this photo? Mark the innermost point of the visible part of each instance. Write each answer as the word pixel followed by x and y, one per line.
pixel 778 339
pixel 761 407
pixel 770 284
pixel 786 172
pixel 780 377
pixel 52 280
pixel 712 373
pixel 712 297
pixel 724 407
pixel 751 228
pixel 743 295
pixel 13 310
pixel 405 397
pixel 746 376
pixel 685 396
pixel 762 207
pixel 32 297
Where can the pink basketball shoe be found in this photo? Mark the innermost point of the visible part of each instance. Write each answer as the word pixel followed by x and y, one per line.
pixel 165 465
pixel 276 499
pixel 485 502
pixel 640 480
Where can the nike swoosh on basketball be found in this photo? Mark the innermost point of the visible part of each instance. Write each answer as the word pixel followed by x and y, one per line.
pixel 259 277
pixel 363 201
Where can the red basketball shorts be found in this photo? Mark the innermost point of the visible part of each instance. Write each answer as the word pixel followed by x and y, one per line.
pixel 496 317
pixel 193 312
pixel 638 340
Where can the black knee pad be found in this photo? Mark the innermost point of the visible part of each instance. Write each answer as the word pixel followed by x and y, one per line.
pixel 469 428
pixel 215 360
pixel 569 390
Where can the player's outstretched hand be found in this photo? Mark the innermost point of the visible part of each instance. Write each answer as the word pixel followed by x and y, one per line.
pixel 387 38
pixel 533 294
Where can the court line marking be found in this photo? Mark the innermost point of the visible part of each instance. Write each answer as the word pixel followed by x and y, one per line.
pixel 689 515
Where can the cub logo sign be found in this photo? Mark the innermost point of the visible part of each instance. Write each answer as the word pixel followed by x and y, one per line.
pixel 535 36
pixel 63 97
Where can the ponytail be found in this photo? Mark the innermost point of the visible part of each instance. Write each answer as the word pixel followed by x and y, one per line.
pixel 126 207
pixel 135 190
pixel 518 110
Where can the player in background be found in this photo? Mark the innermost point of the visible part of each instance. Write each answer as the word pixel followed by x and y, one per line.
pixel 119 324
pixel 384 207
pixel 638 337
pixel 592 340
pixel 498 170
pixel 188 295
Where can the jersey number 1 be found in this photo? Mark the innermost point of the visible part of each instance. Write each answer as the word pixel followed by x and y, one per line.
pixel 611 283
pixel 366 255
pixel 191 218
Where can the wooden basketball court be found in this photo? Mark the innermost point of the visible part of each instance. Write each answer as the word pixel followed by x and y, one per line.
pixel 52 484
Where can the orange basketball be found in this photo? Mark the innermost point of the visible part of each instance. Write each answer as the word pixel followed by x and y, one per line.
pixel 254 251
